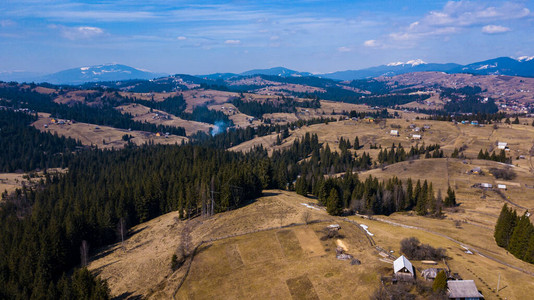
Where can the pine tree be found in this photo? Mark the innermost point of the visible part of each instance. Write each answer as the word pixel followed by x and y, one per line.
pixel 505 226
pixel 301 187
pixel 333 203
pixel 455 153
pixel 409 194
pixel 357 141
pixel 450 199
pixel 521 236
pixel 440 282
pixel 529 253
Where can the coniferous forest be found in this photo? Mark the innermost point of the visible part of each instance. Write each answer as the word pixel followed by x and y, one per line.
pixel 515 234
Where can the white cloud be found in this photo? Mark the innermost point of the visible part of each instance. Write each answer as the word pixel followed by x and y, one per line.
pixel 78 33
pixel 493 29
pixel 232 42
pixel 344 49
pixel 182 38
pixel 274 38
pixel 371 43
pixel 453 18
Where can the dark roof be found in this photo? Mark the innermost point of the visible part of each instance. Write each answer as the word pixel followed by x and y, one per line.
pixel 463 289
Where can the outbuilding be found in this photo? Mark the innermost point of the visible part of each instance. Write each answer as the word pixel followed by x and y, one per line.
pixel 463 289
pixel 394 132
pixel 403 268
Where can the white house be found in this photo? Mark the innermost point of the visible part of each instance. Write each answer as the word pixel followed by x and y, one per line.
pixel 502 145
pixel 403 268
pixel 501 186
pixel 394 132
pixel 416 136
pixel 486 185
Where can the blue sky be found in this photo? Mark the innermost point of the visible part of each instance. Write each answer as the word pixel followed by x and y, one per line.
pixel 199 37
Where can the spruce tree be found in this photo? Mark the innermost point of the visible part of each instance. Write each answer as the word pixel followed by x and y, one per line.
pixel 440 282
pixel 333 203
pixel 450 199
pixel 521 236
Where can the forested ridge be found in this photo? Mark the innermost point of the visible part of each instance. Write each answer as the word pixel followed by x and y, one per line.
pixel 104 114
pixel 23 147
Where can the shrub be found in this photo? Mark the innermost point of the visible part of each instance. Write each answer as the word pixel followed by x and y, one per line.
pixel 506 174
pixel 413 249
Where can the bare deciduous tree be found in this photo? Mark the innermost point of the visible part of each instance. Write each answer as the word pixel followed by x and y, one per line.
pixel 84 253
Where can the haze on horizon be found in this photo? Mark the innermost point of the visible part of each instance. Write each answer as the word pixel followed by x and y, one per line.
pixel 234 36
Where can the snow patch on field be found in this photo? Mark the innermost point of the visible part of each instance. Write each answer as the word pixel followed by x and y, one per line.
pixel 365 227
pixel 309 206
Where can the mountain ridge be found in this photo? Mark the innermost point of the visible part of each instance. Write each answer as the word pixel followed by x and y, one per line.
pixel 522 66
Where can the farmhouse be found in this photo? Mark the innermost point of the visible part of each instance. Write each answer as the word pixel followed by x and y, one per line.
pixel 463 289
pixel 403 268
pixel 394 132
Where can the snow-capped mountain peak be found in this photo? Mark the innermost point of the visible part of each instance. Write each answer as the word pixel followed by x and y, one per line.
pixel 525 58
pixel 413 63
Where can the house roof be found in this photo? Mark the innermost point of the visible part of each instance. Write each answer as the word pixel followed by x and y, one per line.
pixel 402 262
pixel 463 289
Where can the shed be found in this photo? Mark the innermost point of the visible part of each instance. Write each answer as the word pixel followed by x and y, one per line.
pixel 463 289
pixel 430 273
pixel 501 186
pixel 486 185
pixel 394 132
pixel 403 268
pixel 416 136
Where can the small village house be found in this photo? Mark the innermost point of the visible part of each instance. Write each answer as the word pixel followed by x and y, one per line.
pixel 463 289
pixel 501 186
pixel 416 136
pixel 502 145
pixel 476 170
pixel 394 132
pixel 403 268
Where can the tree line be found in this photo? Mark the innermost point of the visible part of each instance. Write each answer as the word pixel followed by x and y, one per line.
pixel 25 148
pixel 515 234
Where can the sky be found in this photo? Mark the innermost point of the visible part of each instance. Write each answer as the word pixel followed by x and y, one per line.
pixel 201 37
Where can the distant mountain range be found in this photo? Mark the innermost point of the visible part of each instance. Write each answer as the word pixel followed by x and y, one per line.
pixel 523 66
pixel 106 72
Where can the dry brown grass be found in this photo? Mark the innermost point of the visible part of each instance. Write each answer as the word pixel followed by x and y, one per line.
pixel 142 114
pixel 484 271
pixel 11 181
pixel 89 135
